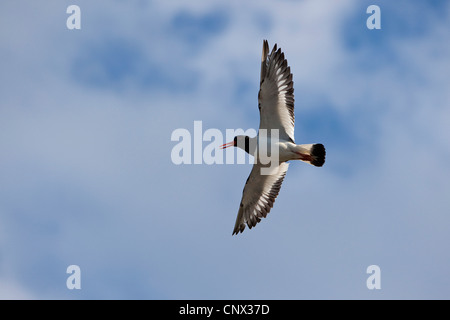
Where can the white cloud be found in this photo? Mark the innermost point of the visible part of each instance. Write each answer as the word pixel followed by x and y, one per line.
pixel 87 172
pixel 14 291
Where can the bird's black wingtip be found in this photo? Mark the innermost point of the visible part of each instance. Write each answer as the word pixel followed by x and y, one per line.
pixel 238 229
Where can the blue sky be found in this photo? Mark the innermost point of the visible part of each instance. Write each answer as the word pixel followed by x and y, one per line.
pixel 86 176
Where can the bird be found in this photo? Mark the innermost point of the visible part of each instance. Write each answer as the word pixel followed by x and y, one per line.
pixel 276 110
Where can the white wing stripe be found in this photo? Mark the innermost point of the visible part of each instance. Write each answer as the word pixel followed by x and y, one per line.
pixel 276 95
pixel 259 196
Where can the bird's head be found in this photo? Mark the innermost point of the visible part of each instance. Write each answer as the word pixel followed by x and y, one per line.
pixel 242 142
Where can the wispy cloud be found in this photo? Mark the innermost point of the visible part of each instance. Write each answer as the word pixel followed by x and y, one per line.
pixel 85 123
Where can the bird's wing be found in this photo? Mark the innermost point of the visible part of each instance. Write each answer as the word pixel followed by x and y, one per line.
pixel 265 53
pixel 276 94
pixel 259 194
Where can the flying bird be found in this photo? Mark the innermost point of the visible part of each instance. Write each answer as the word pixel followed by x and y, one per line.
pixel 276 111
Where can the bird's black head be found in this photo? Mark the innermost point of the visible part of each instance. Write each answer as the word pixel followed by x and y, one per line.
pixel 242 142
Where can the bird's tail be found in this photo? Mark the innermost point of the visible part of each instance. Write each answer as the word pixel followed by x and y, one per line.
pixel 312 153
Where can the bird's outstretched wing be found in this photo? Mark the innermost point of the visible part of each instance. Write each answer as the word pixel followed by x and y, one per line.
pixel 259 194
pixel 276 93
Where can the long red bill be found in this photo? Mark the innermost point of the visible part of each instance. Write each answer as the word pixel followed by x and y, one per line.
pixel 226 145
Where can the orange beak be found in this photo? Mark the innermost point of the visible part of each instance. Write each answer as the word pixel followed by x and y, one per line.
pixel 226 145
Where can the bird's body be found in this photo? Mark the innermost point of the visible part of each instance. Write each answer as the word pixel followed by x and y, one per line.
pixel 274 145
